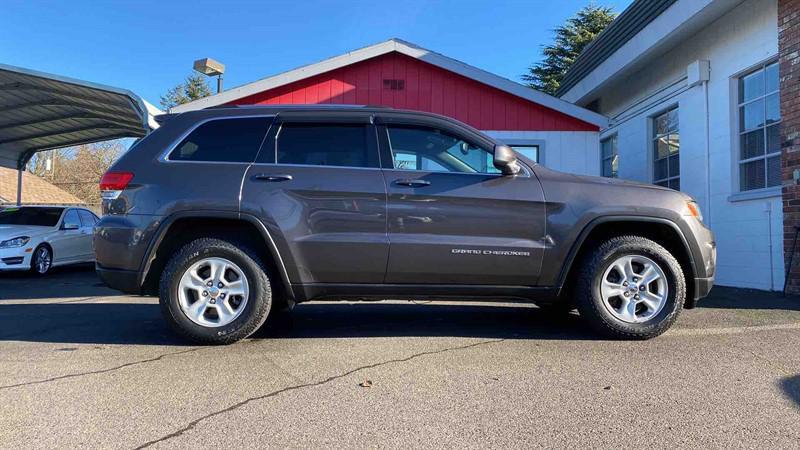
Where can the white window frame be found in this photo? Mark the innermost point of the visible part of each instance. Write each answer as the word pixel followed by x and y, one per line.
pixel 614 154
pixel 653 144
pixel 538 143
pixel 740 132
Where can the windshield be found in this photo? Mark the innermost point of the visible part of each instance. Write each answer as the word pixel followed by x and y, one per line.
pixel 44 217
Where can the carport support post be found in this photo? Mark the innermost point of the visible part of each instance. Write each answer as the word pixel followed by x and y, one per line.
pixel 20 169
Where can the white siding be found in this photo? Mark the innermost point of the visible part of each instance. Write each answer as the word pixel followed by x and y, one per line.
pixel 749 232
pixel 568 151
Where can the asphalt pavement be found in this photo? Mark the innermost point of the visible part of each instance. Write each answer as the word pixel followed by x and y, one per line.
pixel 84 366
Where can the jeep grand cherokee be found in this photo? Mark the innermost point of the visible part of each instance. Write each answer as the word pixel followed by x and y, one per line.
pixel 230 213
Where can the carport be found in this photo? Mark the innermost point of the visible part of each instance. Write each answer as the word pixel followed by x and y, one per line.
pixel 41 111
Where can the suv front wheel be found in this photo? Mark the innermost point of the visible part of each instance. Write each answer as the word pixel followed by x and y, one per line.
pixel 215 292
pixel 630 287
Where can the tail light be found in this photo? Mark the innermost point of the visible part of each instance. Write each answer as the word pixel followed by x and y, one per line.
pixel 113 183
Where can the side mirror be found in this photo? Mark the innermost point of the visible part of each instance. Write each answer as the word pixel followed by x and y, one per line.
pixel 69 226
pixel 506 160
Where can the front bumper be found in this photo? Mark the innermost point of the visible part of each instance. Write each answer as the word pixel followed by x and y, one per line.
pixel 126 281
pixel 702 286
pixel 18 258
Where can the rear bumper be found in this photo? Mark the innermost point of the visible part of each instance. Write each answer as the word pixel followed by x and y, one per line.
pixel 126 281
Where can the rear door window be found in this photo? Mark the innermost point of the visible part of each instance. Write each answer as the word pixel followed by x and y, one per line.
pixel 223 140
pixel 325 145
pixel 71 219
pixel 88 219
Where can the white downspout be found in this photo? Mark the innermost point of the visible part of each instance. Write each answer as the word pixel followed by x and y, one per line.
pixel 708 152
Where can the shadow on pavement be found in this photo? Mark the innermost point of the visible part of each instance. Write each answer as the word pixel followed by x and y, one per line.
pixel 86 323
pixel 62 282
pixel 141 323
pixel 791 388
pixel 370 319
pixel 738 298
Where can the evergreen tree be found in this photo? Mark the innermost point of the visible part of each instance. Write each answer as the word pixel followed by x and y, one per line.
pixel 193 88
pixel 570 40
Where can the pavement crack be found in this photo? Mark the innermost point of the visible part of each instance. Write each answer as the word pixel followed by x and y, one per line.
pixel 94 372
pixel 296 387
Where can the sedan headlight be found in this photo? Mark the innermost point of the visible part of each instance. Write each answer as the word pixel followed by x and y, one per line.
pixel 16 242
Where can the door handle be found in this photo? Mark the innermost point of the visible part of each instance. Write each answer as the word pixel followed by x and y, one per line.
pixel 412 182
pixel 272 178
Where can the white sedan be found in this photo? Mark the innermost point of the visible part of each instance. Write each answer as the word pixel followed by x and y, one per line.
pixel 38 238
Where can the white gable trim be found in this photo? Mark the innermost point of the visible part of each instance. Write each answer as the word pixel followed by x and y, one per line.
pixel 408 49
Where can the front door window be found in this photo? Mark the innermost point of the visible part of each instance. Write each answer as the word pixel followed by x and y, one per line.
pixel 432 150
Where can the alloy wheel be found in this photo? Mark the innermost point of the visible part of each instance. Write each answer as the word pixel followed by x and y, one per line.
pixel 42 260
pixel 213 292
pixel 634 289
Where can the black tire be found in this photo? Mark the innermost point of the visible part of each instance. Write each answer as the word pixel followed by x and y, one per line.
pixel 35 260
pixel 258 303
pixel 590 302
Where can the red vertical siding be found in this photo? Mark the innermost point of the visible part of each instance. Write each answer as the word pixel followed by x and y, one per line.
pixel 425 88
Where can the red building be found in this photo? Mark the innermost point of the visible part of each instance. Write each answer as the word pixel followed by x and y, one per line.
pixel 401 75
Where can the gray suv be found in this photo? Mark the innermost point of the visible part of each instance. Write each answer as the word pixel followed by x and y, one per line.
pixel 230 213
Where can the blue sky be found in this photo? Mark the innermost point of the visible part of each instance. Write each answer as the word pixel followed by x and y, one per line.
pixel 148 46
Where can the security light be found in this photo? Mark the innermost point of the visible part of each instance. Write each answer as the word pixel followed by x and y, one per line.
pixel 211 68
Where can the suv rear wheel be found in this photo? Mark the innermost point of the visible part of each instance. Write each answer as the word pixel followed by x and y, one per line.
pixel 630 287
pixel 215 292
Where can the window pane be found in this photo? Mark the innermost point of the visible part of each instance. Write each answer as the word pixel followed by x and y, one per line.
pixel 672 120
pixel 751 86
pixel 752 175
pixel 615 166
pixel 440 151
pixel 773 109
pixel 674 165
pixel 529 151
pixel 666 148
pixel 751 115
pixel 431 165
pixel 87 218
pixel 774 139
pixel 607 168
pixel 405 161
pixel 752 144
pixel 475 157
pixel 774 171
pixel 605 146
pixel 663 183
pixel 662 147
pixel 675 184
pixel 661 169
pixel 674 141
pixel 325 145
pixel 71 219
pixel 225 140
pixel 772 77
pixel 661 124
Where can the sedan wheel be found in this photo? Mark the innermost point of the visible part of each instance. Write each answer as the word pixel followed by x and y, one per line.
pixel 42 260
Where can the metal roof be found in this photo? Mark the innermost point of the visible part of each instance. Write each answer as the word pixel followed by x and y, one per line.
pixel 41 111
pixel 635 17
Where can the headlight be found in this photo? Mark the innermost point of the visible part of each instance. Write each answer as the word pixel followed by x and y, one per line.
pixel 694 210
pixel 16 242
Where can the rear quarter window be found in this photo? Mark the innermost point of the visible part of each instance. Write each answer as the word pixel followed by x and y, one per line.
pixel 223 140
